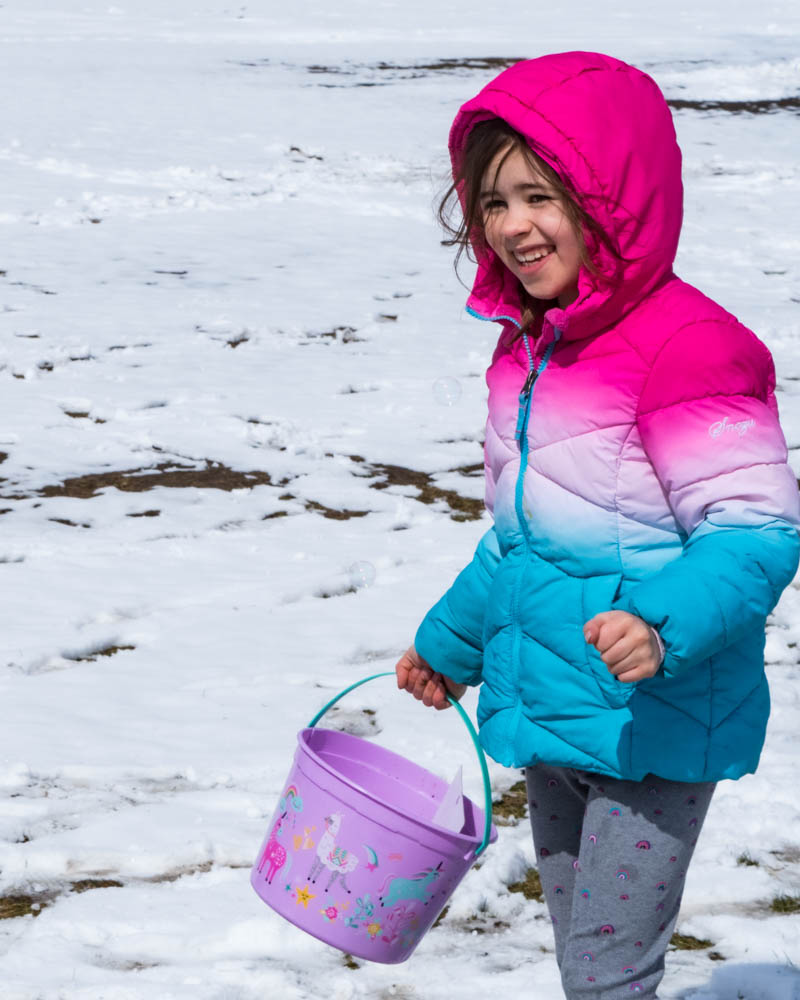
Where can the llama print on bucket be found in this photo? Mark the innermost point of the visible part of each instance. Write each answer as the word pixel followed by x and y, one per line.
pixel 337 859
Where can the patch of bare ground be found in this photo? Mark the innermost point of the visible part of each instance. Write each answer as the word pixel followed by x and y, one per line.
pixel 411 71
pixel 760 107
pixel 358 722
pixel 685 942
pixel 82 415
pixel 785 904
pixel 461 508
pixel 342 334
pixel 24 904
pixel 179 873
pixel 476 924
pixel 212 475
pixel 512 806
pixel 21 906
pixel 84 885
pixel 333 512
pixel 241 338
pixel 530 886
pixel 91 657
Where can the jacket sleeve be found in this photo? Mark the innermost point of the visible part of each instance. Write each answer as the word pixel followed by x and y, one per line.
pixel 708 423
pixel 450 637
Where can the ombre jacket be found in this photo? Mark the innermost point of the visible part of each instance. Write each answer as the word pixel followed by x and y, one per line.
pixel 634 460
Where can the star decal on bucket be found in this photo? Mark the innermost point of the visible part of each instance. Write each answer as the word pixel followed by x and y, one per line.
pixel 304 896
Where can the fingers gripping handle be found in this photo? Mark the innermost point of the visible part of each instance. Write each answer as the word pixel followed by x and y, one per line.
pixel 487 788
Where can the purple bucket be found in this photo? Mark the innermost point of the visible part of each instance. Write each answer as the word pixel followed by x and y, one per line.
pixel 352 854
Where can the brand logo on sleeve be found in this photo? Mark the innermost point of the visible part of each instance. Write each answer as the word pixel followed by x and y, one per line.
pixel 720 427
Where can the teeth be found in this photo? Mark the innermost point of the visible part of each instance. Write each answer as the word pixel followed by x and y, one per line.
pixel 532 257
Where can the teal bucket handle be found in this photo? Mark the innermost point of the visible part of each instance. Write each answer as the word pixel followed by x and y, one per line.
pixel 487 788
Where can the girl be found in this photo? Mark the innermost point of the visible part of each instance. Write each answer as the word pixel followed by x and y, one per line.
pixel 644 514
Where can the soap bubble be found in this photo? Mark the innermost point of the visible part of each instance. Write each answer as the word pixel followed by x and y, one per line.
pixel 362 574
pixel 447 391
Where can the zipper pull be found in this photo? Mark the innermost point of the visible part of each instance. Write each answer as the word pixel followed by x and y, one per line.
pixel 522 409
pixel 526 388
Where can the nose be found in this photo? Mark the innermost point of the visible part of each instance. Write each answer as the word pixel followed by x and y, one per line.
pixel 515 221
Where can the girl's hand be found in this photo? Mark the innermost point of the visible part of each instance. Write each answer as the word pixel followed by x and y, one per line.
pixel 416 676
pixel 626 645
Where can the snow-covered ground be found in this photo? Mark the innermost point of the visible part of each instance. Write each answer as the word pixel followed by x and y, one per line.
pixel 227 319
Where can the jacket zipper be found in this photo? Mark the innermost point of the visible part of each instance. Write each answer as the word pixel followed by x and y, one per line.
pixel 523 415
pixel 522 440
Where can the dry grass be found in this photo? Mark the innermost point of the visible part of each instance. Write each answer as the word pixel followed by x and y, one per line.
pixel 530 886
pixel 461 508
pixel 512 804
pixel 685 942
pixel 785 904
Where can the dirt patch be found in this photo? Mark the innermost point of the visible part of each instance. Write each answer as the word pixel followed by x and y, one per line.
pixel 512 804
pixel 477 925
pixel 242 338
pixel 357 722
pixel 530 886
pixel 461 508
pixel 412 71
pixel 81 415
pixel 213 475
pixel 21 906
pixel 91 657
pixel 685 942
pixel 332 512
pixel 474 471
pixel 173 876
pixel 95 883
pixel 785 904
pixel 766 106
pixel 342 334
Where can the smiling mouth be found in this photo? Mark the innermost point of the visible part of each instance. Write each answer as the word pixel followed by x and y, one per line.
pixel 532 256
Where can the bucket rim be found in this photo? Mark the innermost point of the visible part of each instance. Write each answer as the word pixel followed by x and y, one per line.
pixel 472 842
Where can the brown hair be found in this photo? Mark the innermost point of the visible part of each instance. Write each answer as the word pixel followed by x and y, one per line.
pixel 484 142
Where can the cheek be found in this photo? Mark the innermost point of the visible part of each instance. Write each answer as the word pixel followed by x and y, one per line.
pixel 570 248
pixel 491 235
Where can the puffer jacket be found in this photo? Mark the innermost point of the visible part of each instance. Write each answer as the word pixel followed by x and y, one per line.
pixel 644 470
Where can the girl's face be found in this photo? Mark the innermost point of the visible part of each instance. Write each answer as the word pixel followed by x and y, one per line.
pixel 526 226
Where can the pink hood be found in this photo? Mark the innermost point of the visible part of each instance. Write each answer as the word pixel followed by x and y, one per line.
pixel 605 127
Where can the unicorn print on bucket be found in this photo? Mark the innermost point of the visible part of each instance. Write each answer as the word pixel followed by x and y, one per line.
pixel 274 852
pixel 400 888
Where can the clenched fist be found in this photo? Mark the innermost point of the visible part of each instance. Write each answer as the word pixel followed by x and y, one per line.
pixel 627 645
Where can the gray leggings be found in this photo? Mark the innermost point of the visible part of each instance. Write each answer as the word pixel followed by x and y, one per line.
pixel 612 859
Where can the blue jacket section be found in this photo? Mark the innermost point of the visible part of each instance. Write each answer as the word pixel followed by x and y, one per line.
pixel 701 718
pixel 452 632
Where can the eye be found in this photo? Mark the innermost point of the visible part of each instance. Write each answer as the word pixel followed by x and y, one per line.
pixel 536 199
pixel 492 205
